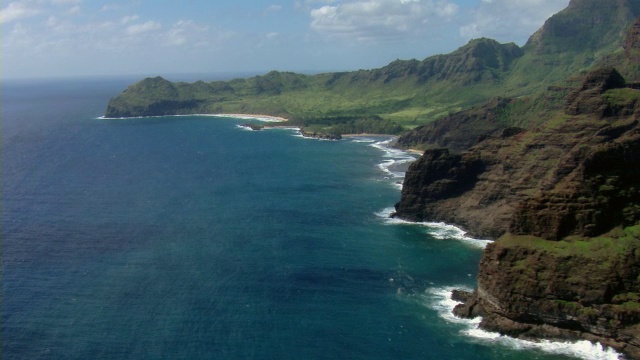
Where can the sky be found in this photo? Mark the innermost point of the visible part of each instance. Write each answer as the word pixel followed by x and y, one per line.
pixel 62 38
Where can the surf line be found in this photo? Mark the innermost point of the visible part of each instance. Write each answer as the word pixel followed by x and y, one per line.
pixel 439 299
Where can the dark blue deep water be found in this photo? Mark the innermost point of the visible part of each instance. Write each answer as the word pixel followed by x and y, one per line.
pixel 191 238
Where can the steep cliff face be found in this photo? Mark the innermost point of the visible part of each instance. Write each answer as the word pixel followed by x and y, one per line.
pixel 632 37
pixel 460 131
pixel 593 185
pixel 585 24
pixel 580 289
pixel 564 200
pixel 564 178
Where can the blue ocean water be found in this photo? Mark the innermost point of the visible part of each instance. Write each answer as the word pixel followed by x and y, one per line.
pixel 192 238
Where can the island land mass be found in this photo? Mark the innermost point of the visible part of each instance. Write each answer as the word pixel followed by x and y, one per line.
pixel 534 146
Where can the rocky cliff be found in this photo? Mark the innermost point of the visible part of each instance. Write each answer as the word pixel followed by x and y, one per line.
pixel 563 199
pixel 554 178
pixel 577 160
pixel 574 289
pixel 459 131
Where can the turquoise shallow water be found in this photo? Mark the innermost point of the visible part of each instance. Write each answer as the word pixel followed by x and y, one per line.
pixel 192 238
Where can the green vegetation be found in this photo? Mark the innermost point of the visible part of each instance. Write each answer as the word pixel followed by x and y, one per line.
pixel 616 243
pixel 399 96
pixel 408 93
pixel 622 97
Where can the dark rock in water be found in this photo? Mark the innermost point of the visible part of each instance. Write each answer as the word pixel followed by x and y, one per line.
pixel 254 127
pixel 318 135
pixel 460 295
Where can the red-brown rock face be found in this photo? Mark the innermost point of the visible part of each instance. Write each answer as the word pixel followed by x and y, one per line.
pixel 566 199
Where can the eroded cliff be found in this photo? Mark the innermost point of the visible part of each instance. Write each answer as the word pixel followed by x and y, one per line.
pixel 563 199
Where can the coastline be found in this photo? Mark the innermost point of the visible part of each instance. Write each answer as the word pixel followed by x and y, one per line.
pixel 259 117
pixel 440 231
pixel 441 299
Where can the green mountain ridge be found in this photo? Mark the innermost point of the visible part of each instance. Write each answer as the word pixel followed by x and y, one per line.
pixel 406 93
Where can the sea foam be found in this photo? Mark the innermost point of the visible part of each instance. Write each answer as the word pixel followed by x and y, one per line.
pixel 245 127
pixel 437 230
pixel 439 299
pixel 395 166
pixel 395 161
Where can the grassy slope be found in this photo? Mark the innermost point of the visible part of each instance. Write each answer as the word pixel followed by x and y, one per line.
pixel 406 93
pixel 409 93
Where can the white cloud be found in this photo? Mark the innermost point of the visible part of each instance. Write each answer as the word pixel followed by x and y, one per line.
pixel 75 10
pixel 371 20
pixel 110 7
pixel 186 32
pixel 509 20
pixel 17 10
pixel 128 19
pixel 66 2
pixel 137 29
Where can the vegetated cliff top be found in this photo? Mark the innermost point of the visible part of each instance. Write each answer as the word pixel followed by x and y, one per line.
pixel 563 199
pixel 509 177
pixel 407 93
pixel 554 176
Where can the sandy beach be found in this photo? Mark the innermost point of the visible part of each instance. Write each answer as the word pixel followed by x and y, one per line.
pixel 259 117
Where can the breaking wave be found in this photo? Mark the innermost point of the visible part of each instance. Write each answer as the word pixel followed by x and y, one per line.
pixel 437 230
pixel 439 299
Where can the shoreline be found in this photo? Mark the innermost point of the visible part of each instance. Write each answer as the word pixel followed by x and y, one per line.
pixel 259 117
pixel 395 137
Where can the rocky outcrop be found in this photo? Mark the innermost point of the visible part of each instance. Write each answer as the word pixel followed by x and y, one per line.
pixel 593 188
pixel 531 288
pixel 460 131
pixel 320 135
pixel 435 188
pixel 564 201
pixel 550 182
pixel 593 185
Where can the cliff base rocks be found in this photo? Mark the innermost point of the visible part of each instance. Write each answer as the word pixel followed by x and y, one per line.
pixel 576 289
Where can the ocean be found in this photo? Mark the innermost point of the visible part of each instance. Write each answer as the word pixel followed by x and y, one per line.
pixel 194 238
